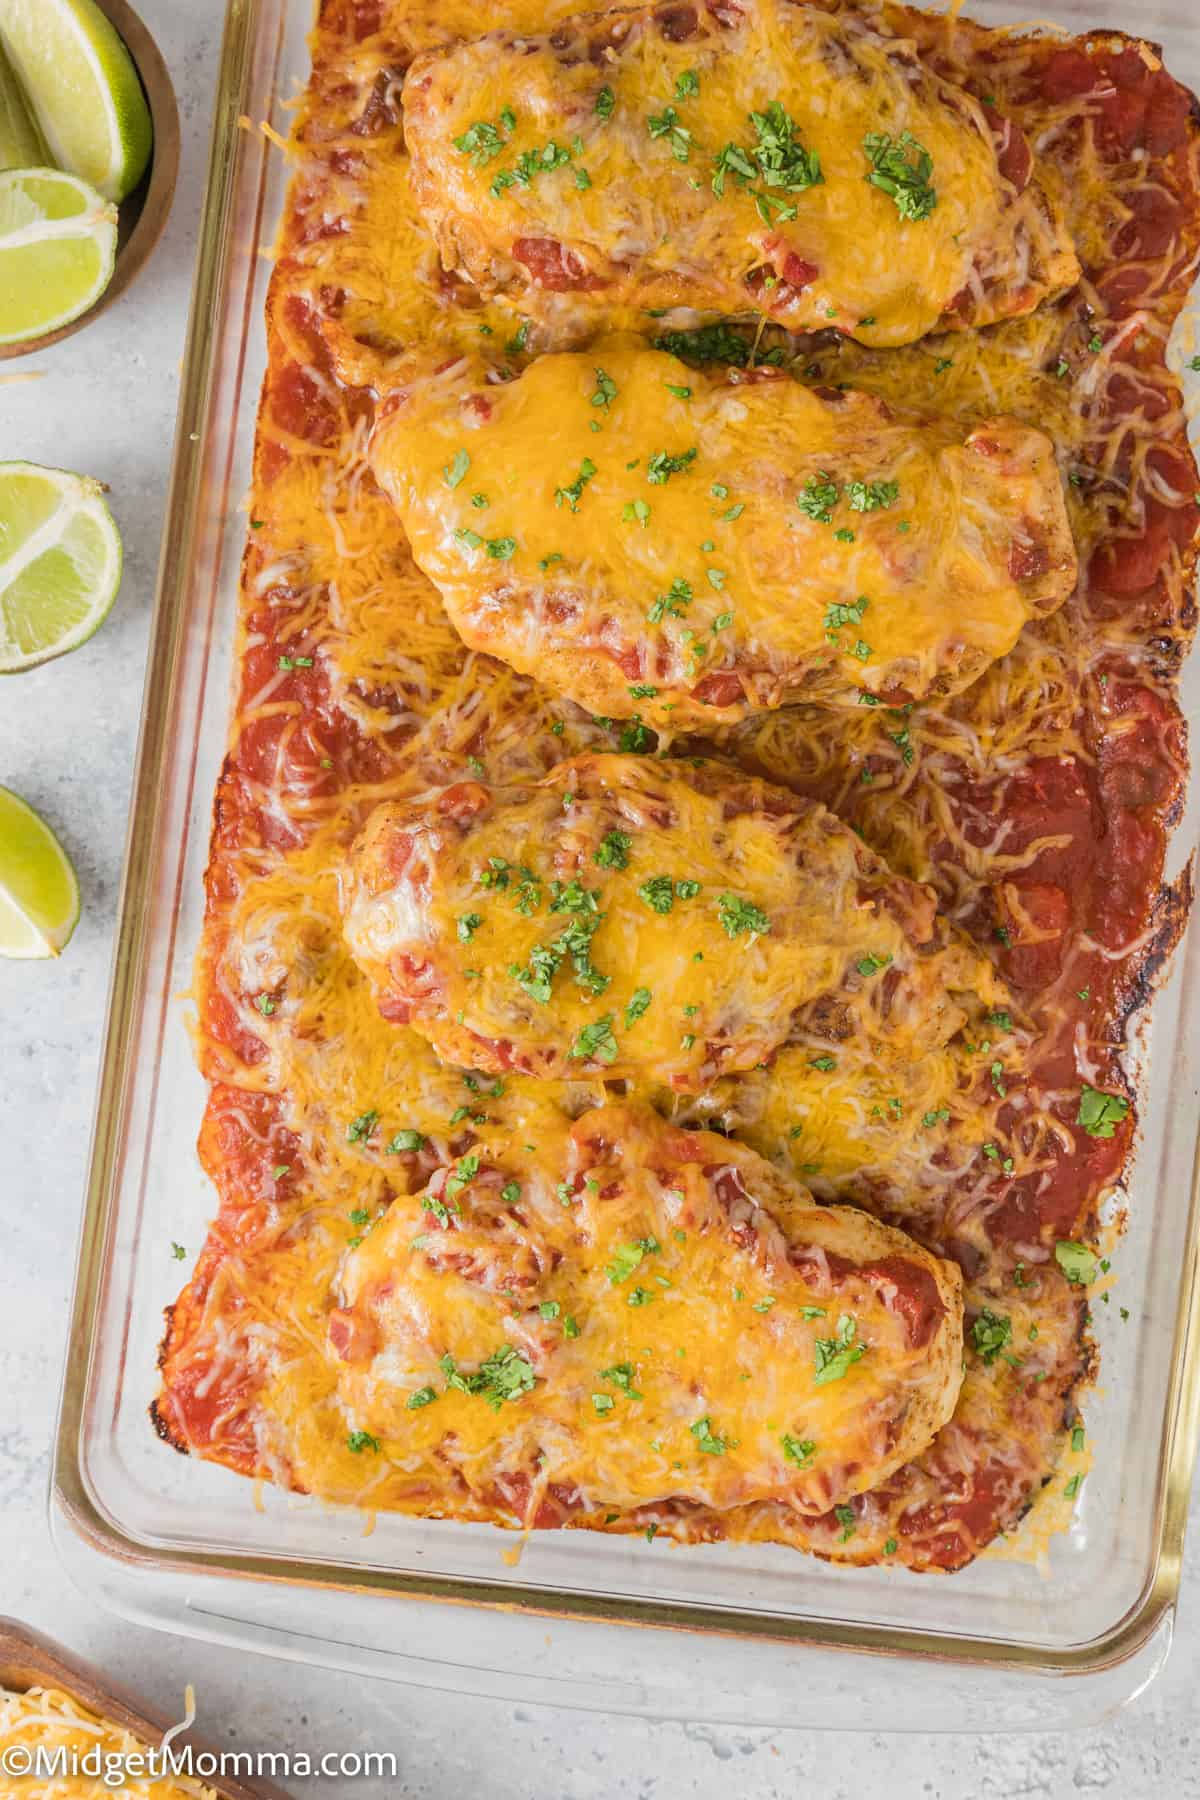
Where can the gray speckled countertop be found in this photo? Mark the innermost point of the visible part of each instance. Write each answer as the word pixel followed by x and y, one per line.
pixel 106 404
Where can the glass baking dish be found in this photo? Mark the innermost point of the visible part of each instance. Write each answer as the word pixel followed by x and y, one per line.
pixel 1035 1635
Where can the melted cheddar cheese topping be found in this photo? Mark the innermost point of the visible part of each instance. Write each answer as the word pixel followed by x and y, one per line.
pixel 654 919
pixel 652 540
pixel 728 162
pixel 313 1087
pixel 633 1313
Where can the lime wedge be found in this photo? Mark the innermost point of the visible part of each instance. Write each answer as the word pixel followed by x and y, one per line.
pixel 84 90
pixel 21 145
pixel 58 244
pixel 60 563
pixel 39 895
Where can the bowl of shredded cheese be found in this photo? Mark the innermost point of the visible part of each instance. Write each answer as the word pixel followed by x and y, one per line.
pixel 64 1731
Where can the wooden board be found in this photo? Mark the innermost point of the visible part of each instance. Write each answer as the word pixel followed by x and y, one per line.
pixel 27 1659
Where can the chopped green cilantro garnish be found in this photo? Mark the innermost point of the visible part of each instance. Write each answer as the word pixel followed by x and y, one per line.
pixel 627 1258
pixel 596 1041
pixel 673 603
pixel 461 1177
pixel 666 125
pixel 362 1127
pixel 483 141
pixel 732 160
pixel 819 498
pixel 798 1450
pixel 635 737
pixel 838 615
pixel 358 1441
pixel 708 1442
pixel 1100 1113
pixel 990 1333
pixel 530 164
pixel 778 160
pixel 835 1356
pixel 638 1004
pixel 715 344
pixel 456 469
pixel 738 915
pixel 1076 1261
pixel 782 160
pixel 872 963
pixel 658 893
pixel 901 168
pixel 504 1375
pixel 621 1376
pixel 613 852
pixel 663 464
pixel 573 493
pixel 605 391
pixel 870 496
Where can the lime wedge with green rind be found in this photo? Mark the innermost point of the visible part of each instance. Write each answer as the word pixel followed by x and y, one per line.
pixel 58 247
pixel 39 895
pixel 60 563
pixel 83 89
pixel 21 145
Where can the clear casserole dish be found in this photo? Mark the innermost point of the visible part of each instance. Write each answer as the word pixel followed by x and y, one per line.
pixel 180 1543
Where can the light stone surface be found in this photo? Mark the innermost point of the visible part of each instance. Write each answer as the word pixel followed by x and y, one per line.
pixel 106 405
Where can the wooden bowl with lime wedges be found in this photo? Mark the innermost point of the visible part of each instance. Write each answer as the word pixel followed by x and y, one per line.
pixel 89 154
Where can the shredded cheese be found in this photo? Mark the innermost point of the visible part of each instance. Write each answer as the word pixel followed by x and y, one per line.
pixel 53 1722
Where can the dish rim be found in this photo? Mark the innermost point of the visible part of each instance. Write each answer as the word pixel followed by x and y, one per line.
pixel 70 1491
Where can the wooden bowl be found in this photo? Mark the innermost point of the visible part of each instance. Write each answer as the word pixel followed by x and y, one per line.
pixel 144 213
pixel 29 1660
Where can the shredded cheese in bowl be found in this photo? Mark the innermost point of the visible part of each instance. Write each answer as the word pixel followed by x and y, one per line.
pixel 74 1741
